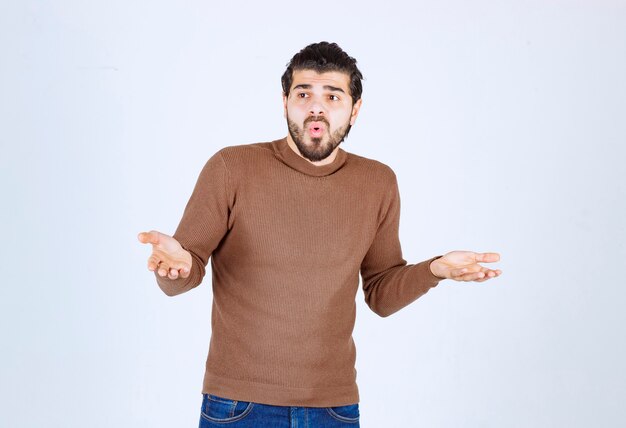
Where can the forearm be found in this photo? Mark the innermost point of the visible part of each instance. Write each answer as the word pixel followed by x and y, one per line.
pixel 399 286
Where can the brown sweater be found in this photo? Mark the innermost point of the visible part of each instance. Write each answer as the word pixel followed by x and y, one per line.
pixel 288 240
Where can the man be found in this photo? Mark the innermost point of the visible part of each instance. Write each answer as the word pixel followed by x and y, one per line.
pixel 289 225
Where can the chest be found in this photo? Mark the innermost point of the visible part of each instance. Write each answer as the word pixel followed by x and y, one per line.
pixel 316 220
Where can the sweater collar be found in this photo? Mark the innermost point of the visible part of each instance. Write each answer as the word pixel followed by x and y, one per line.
pixel 290 158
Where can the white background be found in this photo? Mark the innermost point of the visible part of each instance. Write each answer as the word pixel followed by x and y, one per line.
pixel 505 123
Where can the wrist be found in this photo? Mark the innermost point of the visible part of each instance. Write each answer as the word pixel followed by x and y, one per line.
pixel 434 268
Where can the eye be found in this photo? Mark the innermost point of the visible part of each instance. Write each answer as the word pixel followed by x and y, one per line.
pixel 301 95
pixel 334 97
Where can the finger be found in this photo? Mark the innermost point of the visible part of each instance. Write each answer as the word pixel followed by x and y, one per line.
pixel 493 273
pixel 176 272
pixel 488 274
pixel 151 237
pixel 472 276
pixel 487 257
pixel 153 262
pixel 163 269
pixel 459 272
pixel 184 272
pixel 181 268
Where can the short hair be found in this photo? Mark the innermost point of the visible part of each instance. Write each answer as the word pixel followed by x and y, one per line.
pixel 323 57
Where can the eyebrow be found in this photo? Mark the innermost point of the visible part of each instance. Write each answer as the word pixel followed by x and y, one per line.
pixel 327 87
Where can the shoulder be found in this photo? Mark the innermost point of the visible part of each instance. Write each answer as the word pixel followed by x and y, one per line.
pixel 372 168
pixel 238 156
pixel 232 152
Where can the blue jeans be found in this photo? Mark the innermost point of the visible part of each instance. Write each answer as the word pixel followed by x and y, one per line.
pixel 226 413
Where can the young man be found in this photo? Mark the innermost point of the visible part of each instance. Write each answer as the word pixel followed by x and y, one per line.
pixel 289 225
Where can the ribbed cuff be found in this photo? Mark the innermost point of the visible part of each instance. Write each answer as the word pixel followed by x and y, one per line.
pixel 431 275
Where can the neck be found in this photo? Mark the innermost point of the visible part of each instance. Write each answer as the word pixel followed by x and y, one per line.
pixel 326 161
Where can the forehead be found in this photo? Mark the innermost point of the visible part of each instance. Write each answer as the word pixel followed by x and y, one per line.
pixel 312 77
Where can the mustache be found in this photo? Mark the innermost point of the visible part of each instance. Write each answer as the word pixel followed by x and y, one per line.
pixel 316 119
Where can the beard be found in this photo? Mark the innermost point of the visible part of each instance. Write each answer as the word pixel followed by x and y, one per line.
pixel 318 150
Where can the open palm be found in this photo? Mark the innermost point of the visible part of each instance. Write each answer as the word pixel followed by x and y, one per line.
pixel 168 256
pixel 463 266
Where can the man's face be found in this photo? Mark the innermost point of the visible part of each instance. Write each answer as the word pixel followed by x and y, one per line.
pixel 318 111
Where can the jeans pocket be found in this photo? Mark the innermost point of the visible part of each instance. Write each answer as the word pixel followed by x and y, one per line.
pixel 221 409
pixel 349 413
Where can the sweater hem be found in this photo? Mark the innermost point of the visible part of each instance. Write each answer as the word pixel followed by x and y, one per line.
pixel 278 395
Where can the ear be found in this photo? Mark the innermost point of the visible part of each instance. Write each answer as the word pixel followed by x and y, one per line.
pixel 284 105
pixel 355 111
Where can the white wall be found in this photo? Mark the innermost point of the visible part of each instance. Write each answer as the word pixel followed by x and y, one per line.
pixel 505 124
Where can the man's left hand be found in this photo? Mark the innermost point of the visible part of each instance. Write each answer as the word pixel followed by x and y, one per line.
pixel 463 266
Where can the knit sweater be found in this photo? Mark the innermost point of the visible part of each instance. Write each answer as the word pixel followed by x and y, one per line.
pixel 287 240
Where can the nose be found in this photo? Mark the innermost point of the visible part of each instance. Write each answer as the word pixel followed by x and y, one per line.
pixel 316 108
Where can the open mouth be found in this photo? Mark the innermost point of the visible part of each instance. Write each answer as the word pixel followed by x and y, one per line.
pixel 316 129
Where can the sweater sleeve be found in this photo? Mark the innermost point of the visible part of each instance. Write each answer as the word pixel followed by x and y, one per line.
pixel 204 224
pixel 389 283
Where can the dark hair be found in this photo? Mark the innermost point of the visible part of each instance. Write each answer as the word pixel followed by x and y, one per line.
pixel 323 57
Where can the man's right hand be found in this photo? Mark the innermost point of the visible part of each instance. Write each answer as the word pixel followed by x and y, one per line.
pixel 168 256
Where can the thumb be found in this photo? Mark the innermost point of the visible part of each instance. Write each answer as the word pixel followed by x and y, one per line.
pixel 487 257
pixel 151 237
